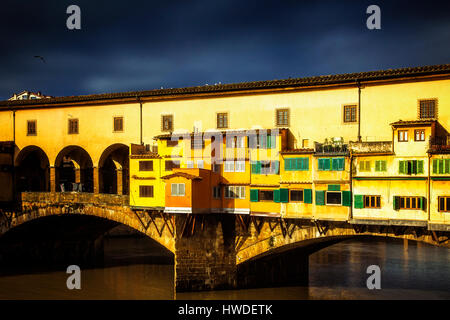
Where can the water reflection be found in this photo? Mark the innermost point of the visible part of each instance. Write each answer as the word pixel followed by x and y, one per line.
pixel 418 271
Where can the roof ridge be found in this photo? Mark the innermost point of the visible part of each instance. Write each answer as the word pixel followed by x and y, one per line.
pixel 274 83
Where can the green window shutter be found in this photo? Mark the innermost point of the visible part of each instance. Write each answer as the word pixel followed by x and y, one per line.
pixel 306 163
pixel 377 165
pixel 359 201
pixel 326 164
pixel 441 166
pixel 254 195
pixel 268 142
pixel 320 163
pixel 346 198
pixel 414 166
pixel 334 164
pixel 361 166
pixel 396 203
pixel 334 187
pixel 420 166
pixel 273 141
pixel 435 165
pixel 287 165
pixel 401 166
pixel 284 195
pixel 341 164
pixel 307 196
pixel 383 165
pixel 320 198
pixel 256 167
pixel 447 165
pixel 423 203
pixel 367 165
pixel 275 167
pixel 276 195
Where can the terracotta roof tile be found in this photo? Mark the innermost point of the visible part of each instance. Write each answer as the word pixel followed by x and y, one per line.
pixel 255 85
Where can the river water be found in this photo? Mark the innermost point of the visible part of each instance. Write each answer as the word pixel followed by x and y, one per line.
pixel 135 268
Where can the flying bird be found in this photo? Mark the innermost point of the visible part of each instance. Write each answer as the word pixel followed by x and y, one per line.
pixel 39 57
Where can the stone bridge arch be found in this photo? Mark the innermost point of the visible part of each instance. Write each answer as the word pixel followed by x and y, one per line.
pixel 110 207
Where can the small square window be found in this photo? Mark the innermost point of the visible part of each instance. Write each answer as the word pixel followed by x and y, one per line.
pixel 282 117
pixel 350 113
pixel 167 123
pixel 31 128
pixel 118 124
pixel 222 120
pixel 73 126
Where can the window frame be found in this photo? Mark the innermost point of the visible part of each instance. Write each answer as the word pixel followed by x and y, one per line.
pixel 217 193
pixel 286 119
pixel 163 118
pixel 370 197
pixel 419 108
pixel 351 107
pixel 142 194
pixel 422 134
pixel 260 192
pixel 409 199
pixel 333 204
pixel 225 116
pixel 177 193
pixel 405 138
pixel 296 190
pixel 142 166
pixel 28 127
pixel 71 121
pixel 446 208
pixel 115 118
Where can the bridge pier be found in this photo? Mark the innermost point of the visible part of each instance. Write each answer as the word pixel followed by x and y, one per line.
pixel 205 257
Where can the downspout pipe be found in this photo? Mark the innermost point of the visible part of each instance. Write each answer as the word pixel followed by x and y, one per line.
pixel 140 119
pixel 429 188
pixel 359 109
pixel 13 172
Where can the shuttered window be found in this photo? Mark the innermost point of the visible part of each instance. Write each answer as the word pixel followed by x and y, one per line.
pixel 282 117
pixel 167 123
pixel 346 198
pixel 364 166
pixel 359 201
pixel 31 128
pixel 222 120
pixel 146 191
pixel 380 165
pixel 307 196
pixel 118 124
pixel 441 166
pixel 320 198
pixel 410 166
pixel 296 164
pixel 334 197
pixel 254 193
pixel 413 203
pixel 73 126
pixel 145 165
pixel 338 164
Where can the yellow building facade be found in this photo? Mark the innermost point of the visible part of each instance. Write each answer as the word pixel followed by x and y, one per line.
pixel 319 148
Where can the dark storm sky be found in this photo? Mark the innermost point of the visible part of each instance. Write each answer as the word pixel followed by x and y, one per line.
pixel 142 45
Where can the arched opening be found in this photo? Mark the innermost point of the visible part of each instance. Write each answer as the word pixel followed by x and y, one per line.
pixel 32 170
pixel 116 260
pixel 74 170
pixel 114 170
